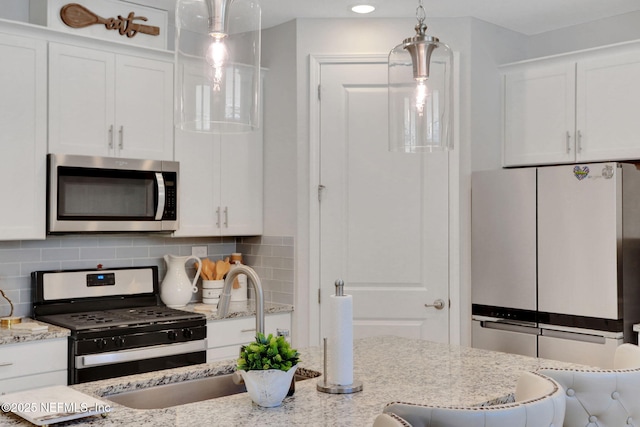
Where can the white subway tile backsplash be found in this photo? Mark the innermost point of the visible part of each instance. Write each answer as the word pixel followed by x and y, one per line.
pixel 60 254
pixel 270 256
pixel 98 253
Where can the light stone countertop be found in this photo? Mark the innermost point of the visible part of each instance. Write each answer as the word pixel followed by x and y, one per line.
pixel 237 309
pixel 391 369
pixel 10 336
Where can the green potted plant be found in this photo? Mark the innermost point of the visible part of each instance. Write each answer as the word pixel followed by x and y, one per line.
pixel 267 366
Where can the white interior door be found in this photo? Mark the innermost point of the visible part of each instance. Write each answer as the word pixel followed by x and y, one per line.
pixel 383 216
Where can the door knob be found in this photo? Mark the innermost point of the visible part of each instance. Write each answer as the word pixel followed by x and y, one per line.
pixel 438 304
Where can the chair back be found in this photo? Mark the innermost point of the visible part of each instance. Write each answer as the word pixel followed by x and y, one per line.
pixel 539 403
pixel 627 356
pixel 607 398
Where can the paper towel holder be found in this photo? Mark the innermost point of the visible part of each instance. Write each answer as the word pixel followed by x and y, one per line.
pixel 326 387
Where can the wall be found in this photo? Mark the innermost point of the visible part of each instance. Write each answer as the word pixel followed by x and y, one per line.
pixel 271 256
pixel 279 130
pixel 606 31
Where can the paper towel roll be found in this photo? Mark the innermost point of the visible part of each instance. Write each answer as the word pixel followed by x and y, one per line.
pixel 340 340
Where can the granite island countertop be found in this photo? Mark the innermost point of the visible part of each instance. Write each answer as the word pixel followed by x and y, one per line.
pixel 391 368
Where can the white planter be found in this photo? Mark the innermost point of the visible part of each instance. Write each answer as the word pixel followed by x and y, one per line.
pixel 268 388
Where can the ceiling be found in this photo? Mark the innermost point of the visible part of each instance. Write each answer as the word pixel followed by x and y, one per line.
pixel 524 16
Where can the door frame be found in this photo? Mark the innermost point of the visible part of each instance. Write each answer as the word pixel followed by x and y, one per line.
pixel 315 62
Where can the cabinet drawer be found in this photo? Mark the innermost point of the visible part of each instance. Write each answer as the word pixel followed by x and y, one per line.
pixel 33 357
pixel 48 379
pixel 222 333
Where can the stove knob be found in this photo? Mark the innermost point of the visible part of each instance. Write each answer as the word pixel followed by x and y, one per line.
pixel 119 342
pixel 172 335
pixel 101 343
pixel 187 333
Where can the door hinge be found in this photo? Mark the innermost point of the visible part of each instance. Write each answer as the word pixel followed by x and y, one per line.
pixel 319 290
pixel 319 93
pixel 321 188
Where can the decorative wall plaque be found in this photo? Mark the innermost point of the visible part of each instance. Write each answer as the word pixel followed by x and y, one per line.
pixel 77 16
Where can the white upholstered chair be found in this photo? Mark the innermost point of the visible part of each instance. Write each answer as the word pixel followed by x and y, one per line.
pixel 539 403
pixel 627 356
pixel 603 398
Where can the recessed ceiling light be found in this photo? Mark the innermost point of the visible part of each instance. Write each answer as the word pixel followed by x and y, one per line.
pixel 363 8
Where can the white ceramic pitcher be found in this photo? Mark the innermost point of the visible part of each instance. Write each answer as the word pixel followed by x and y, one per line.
pixel 176 288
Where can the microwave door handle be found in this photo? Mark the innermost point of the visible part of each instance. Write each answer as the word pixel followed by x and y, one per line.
pixel 161 195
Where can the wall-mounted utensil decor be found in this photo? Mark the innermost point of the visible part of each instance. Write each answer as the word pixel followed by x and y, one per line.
pixel 77 16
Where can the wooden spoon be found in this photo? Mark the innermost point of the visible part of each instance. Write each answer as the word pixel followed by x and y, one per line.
pixel 206 269
pixel 222 268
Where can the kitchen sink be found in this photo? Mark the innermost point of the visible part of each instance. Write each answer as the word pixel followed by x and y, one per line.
pixel 180 393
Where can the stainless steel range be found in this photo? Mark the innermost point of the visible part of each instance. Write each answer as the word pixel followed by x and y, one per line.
pixel 118 326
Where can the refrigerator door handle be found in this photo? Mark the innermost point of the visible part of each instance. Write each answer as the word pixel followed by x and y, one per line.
pixel 511 327
pixel 573 336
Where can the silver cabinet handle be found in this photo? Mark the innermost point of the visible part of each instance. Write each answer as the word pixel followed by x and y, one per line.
pixel 568 142
pixel 226 217
pixel 218 217
pixel 437 304
pixel 121 141
pixel 579 142
pixel 248 330
pixel 6 363
pixel 111 137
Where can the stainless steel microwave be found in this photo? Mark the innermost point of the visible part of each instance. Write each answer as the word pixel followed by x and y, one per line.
pixel 88 194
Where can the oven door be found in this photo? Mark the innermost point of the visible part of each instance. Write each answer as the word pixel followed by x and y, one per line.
pixel 92 367
pixel 103 194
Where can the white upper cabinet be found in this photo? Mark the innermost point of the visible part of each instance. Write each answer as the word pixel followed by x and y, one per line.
pixel 107 104
pixel 539 114
pixel 573 108
pixel 607 107
pixel 23 132
pixel 221 190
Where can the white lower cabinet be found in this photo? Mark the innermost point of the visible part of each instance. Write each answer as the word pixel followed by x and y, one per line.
pixel 33 364
pixel 224 337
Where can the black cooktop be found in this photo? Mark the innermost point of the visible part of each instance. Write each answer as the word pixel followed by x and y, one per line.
pixel 119 318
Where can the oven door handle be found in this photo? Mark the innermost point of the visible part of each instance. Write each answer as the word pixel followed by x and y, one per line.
pixel 122 356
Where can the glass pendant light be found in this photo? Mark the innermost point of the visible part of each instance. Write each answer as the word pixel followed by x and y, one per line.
pixel 217 53
pixel 420 92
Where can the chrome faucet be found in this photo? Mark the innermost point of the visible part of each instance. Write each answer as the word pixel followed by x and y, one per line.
pixel 252 276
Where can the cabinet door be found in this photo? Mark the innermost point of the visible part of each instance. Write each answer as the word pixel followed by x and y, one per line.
pixel 199 157
pixel 144 108
pixel 23 115
pixel 81 99
pixel 539 114
pixel 608 101
pixel 241 184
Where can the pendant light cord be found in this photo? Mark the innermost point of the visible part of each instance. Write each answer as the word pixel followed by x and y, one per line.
pixel 420 13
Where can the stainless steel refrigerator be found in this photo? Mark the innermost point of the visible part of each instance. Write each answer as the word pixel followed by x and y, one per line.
pixel 555 260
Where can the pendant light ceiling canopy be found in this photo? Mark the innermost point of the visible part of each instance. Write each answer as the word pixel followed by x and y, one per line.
pixel 217 53
pixel 420 92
